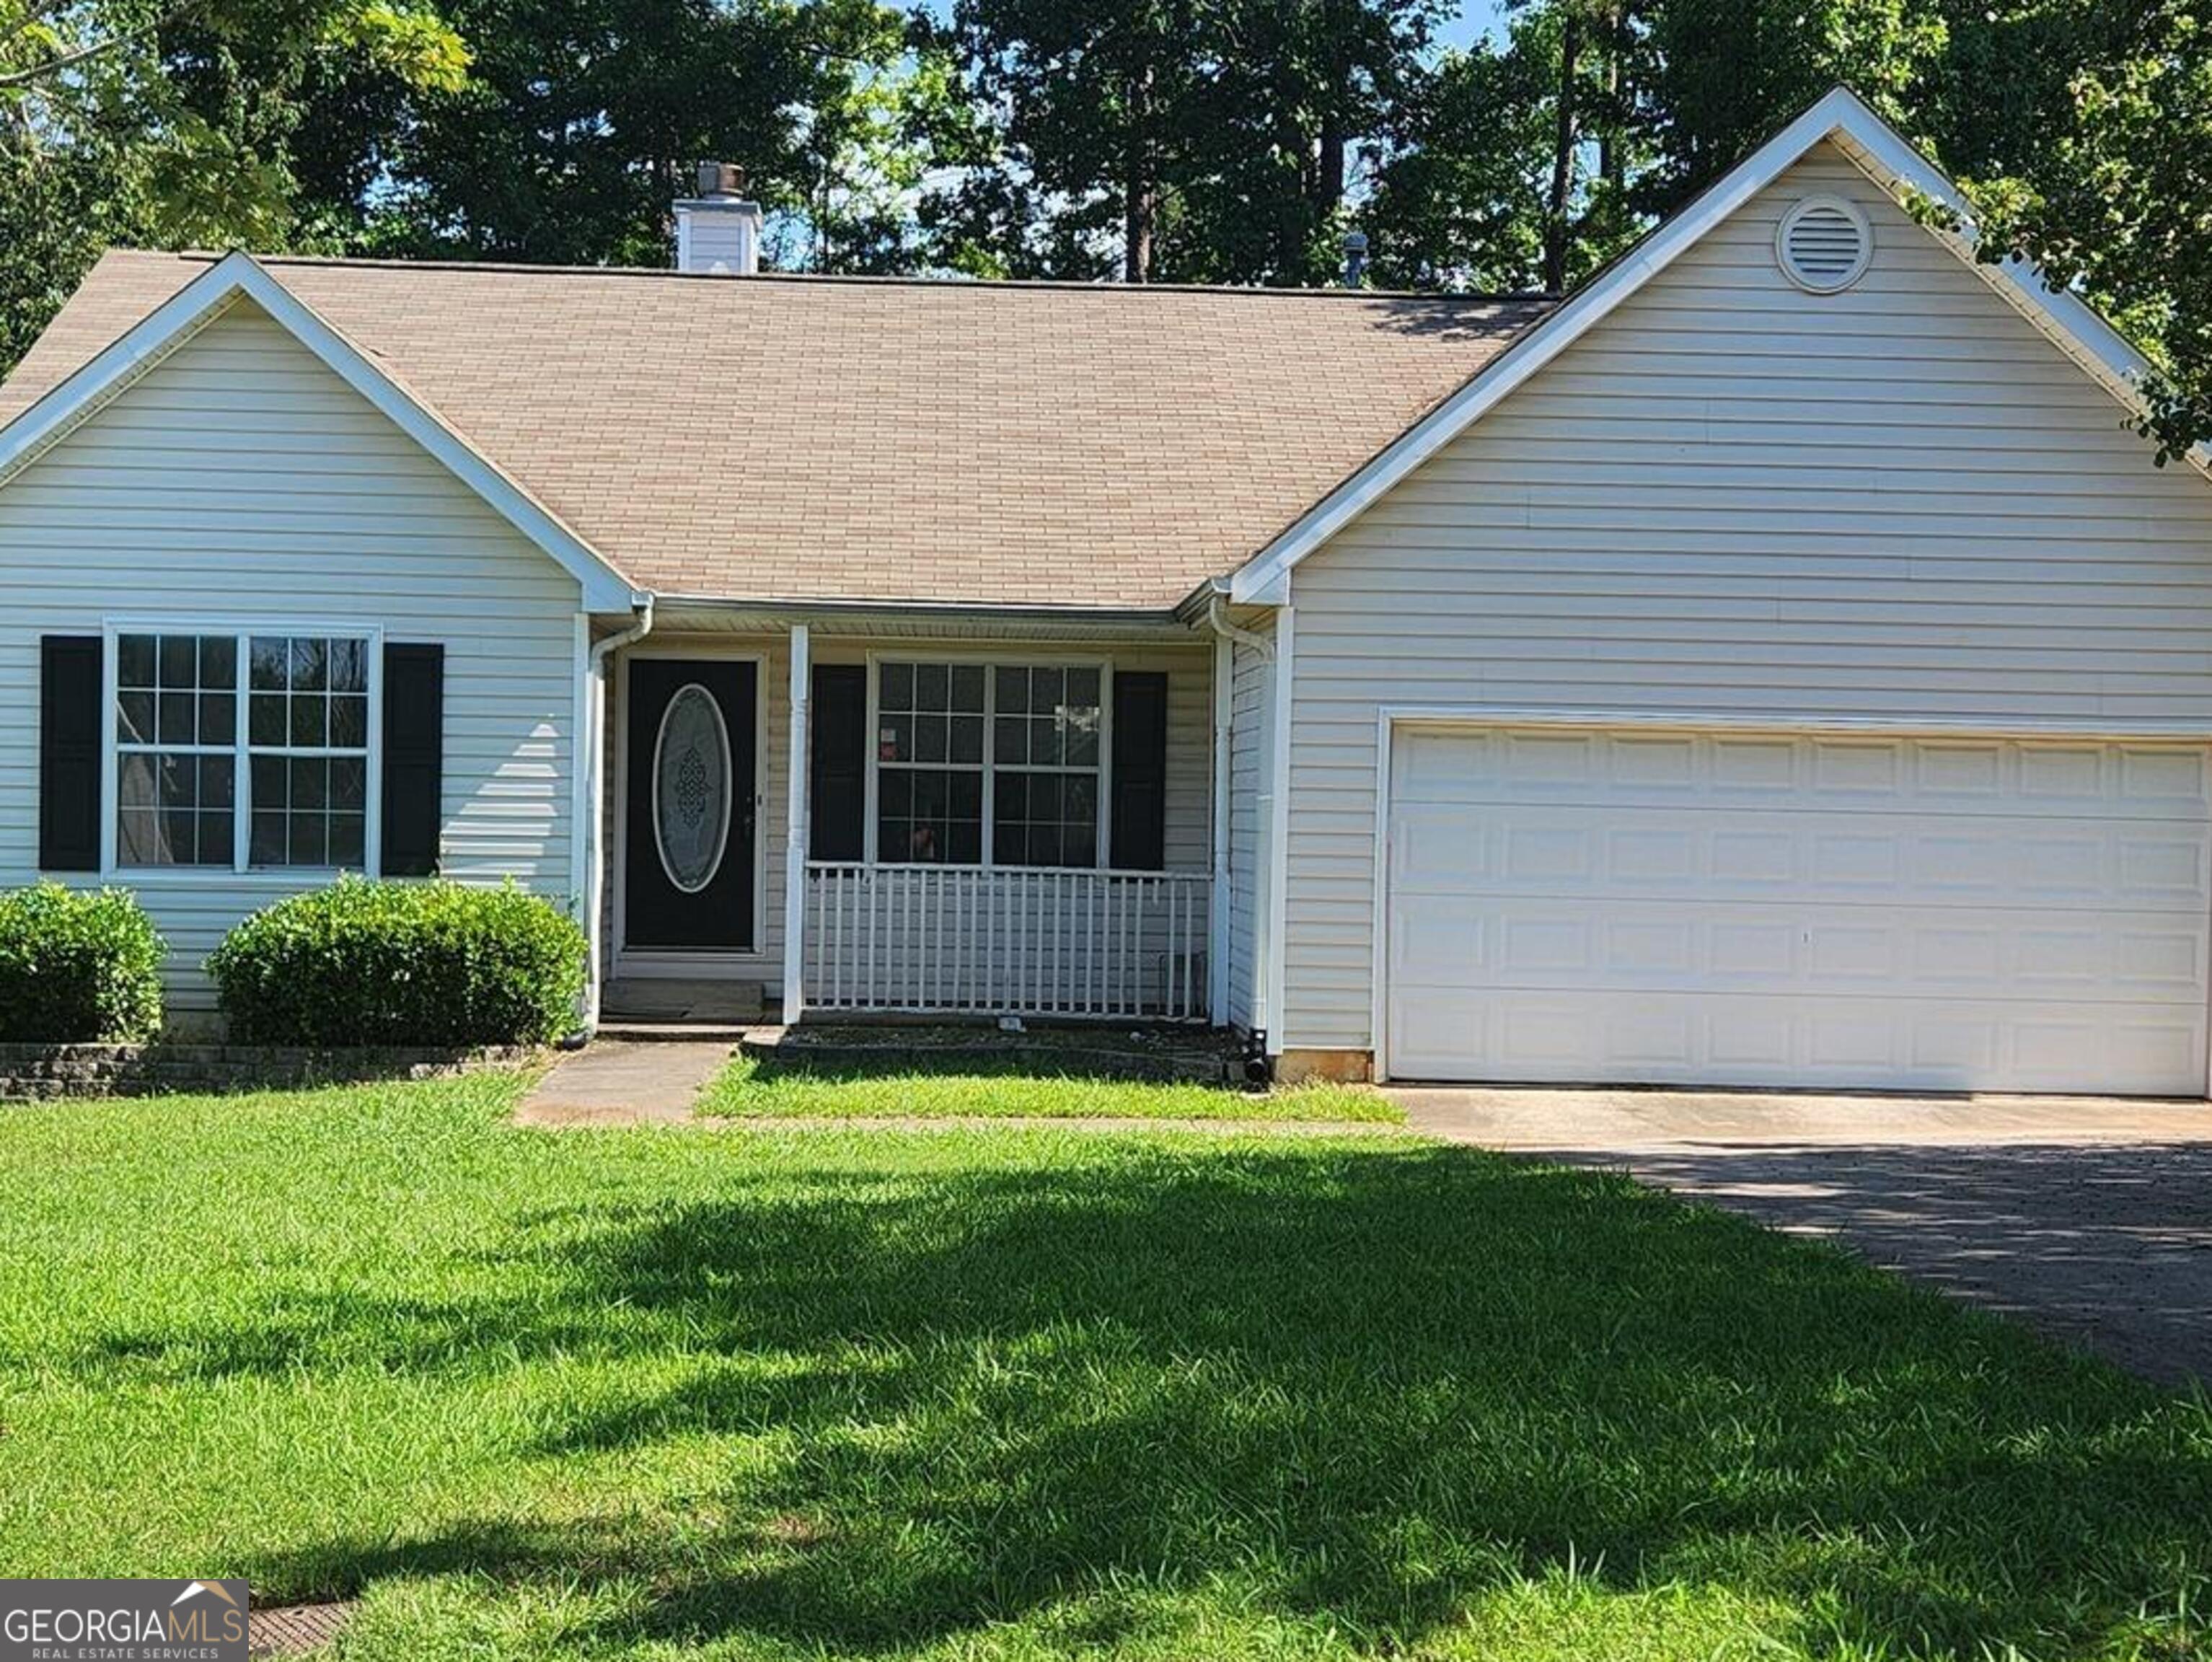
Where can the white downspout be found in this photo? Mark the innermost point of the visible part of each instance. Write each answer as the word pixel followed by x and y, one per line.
pixel 799 811
pixel 1217 921
pixel 595 860
pixel 1227 637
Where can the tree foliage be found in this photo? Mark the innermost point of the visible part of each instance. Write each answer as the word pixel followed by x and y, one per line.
pixel 2081 131
pixel 583 118
pixel 1178 140
pixel 168 123
pixel 1216 141
pixel 2112 194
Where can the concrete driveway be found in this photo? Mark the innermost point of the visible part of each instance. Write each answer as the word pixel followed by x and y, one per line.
pixel 2090 1217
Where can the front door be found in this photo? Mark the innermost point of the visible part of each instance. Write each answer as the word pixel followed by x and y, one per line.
pixel 688 862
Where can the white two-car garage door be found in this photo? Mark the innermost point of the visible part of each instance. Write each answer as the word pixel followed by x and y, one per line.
pixel 1569 904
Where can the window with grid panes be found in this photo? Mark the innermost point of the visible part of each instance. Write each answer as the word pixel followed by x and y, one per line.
pixel 209 727
pixel 993 763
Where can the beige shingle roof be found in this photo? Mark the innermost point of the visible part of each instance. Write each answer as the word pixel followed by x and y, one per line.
pixel 796 438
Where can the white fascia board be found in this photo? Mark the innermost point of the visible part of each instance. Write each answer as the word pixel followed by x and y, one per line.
pixel 1878 150
pixel 176 320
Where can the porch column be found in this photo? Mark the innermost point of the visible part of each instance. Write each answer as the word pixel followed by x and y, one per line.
pixel 799 803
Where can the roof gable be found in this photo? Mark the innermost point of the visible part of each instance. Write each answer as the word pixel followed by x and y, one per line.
pixel 808 440
pixel 237 278
pixel 1871 145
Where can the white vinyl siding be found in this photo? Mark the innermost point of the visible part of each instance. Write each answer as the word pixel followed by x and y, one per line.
pixel 1734 496
pixel 240 481
pixel 1190 670
pixel 1250 781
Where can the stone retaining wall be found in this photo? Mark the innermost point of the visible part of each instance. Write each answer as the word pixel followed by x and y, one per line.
pixel 33 1073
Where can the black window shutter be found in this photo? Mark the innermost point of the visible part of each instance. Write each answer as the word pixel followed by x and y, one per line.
pixel 837 767
pixel 69 693
pixel 414 757
pixel 1140 771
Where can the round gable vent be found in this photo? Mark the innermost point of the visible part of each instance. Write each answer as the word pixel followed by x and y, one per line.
pixel 1824 244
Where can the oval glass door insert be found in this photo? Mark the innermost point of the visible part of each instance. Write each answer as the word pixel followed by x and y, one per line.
pixel 692 789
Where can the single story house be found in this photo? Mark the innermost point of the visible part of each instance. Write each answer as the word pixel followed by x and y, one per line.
pixel 1780 663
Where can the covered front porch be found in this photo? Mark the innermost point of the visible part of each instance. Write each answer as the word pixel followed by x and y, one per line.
pixel 991 815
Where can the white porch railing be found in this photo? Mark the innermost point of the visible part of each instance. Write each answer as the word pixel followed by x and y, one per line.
pixel 1111 944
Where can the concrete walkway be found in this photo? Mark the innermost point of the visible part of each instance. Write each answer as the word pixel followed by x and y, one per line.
pixel 2090 1218
pixel 609 1082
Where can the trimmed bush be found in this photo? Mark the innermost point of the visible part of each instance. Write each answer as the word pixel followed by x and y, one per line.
pixel 401 964
pixel 77 967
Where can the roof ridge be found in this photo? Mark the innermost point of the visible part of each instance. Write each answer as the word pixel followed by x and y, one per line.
pixel 520 268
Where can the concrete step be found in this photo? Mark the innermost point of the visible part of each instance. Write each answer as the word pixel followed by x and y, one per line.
pixel 673 1032
pixel 652 1001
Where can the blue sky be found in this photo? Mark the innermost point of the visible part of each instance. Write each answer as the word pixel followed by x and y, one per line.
pixel 1476 17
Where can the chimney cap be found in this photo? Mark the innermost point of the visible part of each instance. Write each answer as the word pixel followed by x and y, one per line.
pixel 1355 259
pixel 720 179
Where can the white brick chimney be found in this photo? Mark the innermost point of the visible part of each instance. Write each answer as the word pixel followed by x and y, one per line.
pixel 718 230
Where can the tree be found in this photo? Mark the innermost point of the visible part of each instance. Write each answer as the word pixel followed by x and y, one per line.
pixel 2081 132
pixel 1597 118
pixel 1460 202
pixel 1514 168
pixel 1721 75
pixel 53 53
pixel 1302 85
pixel 1096 108
pixel 2113 196
pixel 866 146
pixel 583 120
pixel 1186 140
pixel 166 122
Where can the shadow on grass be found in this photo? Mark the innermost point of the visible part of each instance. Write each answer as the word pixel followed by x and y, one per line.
pixel 1359 1386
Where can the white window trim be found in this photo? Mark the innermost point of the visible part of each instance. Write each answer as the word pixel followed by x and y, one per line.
pixel 991 663
pixel 111 864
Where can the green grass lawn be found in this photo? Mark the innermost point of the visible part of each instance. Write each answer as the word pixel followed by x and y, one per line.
pixel 776 1394
pixel 747 1089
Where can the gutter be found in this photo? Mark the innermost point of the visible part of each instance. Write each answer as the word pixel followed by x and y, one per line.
pixel 1216 615
pixel 595 751
pixel 866 611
